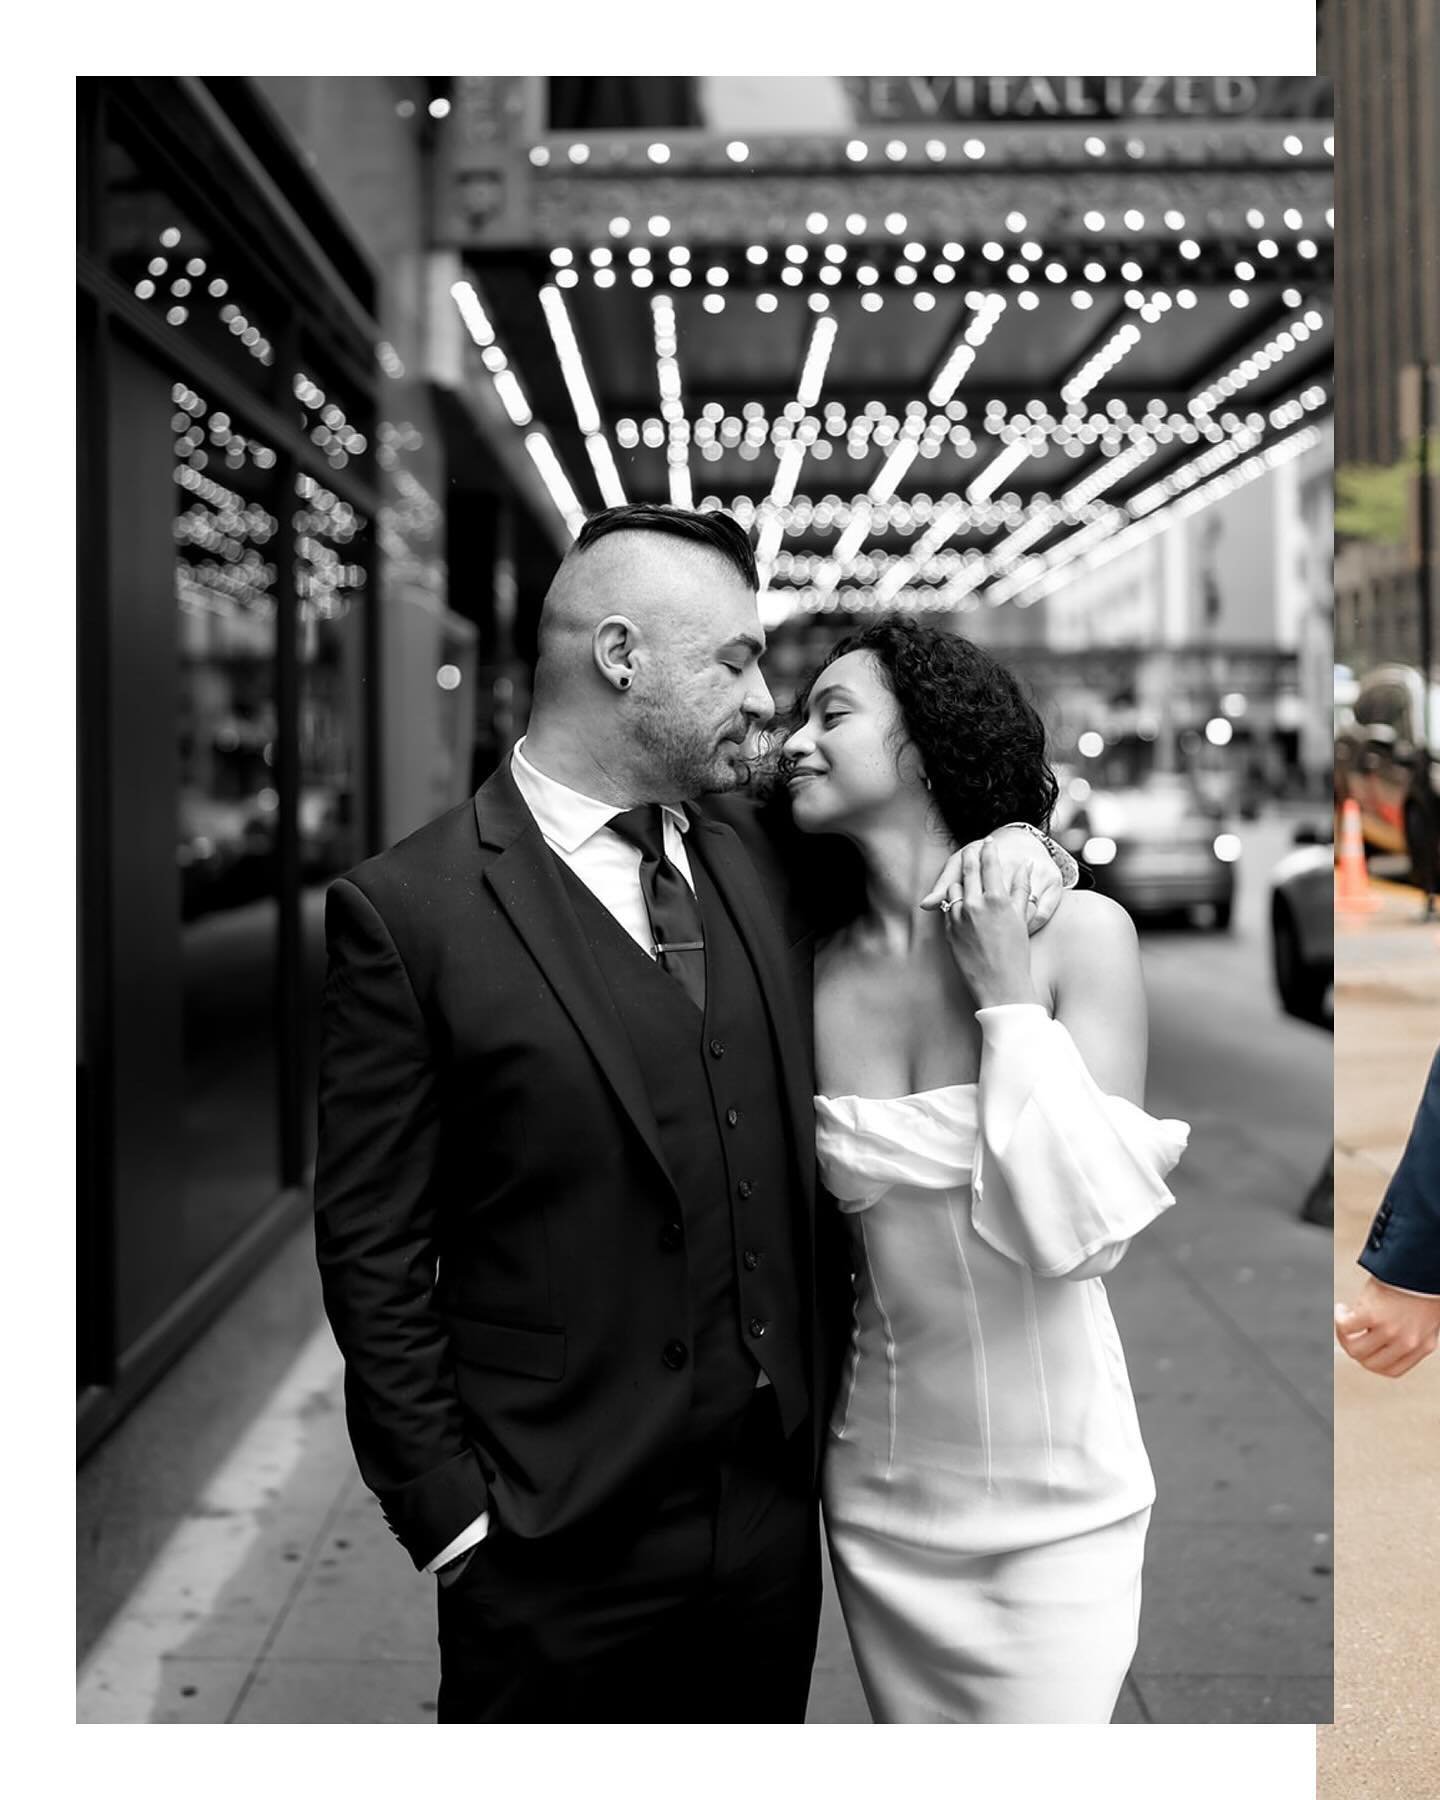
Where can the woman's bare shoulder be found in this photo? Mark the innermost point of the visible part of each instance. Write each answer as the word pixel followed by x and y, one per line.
pixel 1085 919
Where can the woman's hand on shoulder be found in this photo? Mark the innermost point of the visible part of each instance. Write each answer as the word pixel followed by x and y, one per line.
pixel 986 925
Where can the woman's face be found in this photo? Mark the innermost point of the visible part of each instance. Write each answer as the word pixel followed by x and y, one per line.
pixel 842 760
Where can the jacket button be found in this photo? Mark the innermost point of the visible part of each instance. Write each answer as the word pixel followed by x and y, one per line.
pixel 752 1259
pixel 717 1049
pixel 675 1355
pixel 757 1328
pixel 745 1189
pixel 673 1235
pixel 732 1117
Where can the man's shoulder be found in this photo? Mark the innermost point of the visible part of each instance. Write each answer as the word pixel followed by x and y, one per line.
pixel 425 855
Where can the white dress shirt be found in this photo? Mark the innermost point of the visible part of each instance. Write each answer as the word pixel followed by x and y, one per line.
pixel 573 825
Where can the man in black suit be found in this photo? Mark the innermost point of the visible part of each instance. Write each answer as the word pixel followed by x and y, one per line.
pixel 1395 1323
pixel 566 1217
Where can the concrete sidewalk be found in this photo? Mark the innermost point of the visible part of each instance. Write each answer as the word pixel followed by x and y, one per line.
pixel 1385 1742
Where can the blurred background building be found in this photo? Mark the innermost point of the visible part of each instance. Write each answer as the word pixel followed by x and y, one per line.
pixel 1385 61
pixel 1047 359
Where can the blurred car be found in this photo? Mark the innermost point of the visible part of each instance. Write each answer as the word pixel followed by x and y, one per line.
pixel 1302 925
pixel 1159 848
pixel 1381 762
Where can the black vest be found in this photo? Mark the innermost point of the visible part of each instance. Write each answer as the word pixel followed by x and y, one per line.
pixel 715 1087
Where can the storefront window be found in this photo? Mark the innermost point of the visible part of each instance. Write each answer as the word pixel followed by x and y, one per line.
pixel 182 273
pixel 228 817
pixel 331 582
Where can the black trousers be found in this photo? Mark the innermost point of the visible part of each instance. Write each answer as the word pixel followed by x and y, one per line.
pixel 706 1609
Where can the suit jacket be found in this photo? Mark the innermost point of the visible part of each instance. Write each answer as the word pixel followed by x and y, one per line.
pixel 490 1187
pixel 1403 1248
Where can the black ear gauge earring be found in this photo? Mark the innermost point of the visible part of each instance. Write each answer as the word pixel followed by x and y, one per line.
pixel 624 681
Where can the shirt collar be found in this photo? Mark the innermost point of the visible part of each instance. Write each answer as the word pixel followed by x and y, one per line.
pixel 566 817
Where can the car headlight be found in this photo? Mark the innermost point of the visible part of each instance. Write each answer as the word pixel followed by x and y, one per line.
pixel 1227 847
pixel 1098 850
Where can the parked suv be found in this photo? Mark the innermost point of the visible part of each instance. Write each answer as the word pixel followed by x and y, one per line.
pixel 1381 762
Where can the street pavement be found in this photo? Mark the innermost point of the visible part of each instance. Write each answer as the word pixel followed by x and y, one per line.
pixel 279 1596
pixel 1385 1742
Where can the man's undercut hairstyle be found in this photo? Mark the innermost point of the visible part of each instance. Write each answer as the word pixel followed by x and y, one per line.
pixel 716 530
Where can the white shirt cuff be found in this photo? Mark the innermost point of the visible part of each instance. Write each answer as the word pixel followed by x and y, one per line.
pixel 468 1538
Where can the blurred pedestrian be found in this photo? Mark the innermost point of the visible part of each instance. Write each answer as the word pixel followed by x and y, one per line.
pixel 986 1490
pixel 1395 1322
pixel 590 1309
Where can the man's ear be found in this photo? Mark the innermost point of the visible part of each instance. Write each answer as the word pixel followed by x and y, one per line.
pixel 614 645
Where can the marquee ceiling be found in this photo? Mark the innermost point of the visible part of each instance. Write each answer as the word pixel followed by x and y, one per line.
pixel 920 376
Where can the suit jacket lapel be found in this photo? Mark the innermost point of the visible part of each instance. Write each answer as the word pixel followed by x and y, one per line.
pixel 527 883
pixel 734 873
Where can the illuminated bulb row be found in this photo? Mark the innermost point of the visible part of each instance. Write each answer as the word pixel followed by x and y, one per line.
pixel 803 567
pixel 1119 541
pixel 896 150
pixel 477 323
pixel 1291 335
pixel 512 398
pixel 1114 350
pixel 962 358
pixel 557 485
pixel 582 399
pixel 672 406
pixel 832 512
pixel 1242 439
pixel 1239 443
pixel 1063 555
pixel 1026 252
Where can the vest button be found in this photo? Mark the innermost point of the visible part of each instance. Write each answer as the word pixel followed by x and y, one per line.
pixel 675 1355
pixel 673 1235
pixel 745 1189
pixel 717 1049
pixel 732 1117
pixel 757 1328
pixel 752 1259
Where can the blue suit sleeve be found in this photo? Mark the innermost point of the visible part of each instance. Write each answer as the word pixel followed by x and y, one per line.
pixel 1403 1248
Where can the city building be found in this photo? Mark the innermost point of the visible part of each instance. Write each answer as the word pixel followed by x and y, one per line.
pixel 1383 57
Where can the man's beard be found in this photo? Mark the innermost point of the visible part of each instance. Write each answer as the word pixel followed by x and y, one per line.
pixel 688 762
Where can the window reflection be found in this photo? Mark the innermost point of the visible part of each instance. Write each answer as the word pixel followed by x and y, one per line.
pixel 179 272
pixel 228 814
pixel 330 584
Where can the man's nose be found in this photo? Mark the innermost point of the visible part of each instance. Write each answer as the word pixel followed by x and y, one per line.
pixel 758 702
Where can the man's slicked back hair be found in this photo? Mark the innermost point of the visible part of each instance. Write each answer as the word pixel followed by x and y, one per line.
pixel 716 530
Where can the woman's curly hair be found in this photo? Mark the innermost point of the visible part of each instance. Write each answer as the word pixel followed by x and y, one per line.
pixel 981 742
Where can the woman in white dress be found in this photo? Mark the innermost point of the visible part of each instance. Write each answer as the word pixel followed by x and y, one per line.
pixel 980 1122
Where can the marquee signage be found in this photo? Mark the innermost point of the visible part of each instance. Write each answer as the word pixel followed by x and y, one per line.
pixel 927 99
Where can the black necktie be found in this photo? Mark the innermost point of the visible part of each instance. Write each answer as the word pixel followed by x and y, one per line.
pixel 674 915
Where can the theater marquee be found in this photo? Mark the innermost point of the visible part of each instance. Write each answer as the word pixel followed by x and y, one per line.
pixel 922 99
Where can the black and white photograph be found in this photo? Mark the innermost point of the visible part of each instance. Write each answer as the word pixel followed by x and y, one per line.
pixel 706 813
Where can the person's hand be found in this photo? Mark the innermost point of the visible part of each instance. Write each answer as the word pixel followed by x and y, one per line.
pixel 1387 1331
pixel 1019 852
pixel 985 923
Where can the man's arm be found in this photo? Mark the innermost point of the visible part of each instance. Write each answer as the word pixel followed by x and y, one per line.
pixel 376 1235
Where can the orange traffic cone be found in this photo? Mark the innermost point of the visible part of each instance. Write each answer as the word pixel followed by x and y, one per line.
pixel 1352 878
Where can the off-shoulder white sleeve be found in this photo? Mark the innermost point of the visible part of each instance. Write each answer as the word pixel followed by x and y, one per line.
pixel 1065 1175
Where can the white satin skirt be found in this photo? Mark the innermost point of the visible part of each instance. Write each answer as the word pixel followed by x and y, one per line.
pixel 1035 1636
